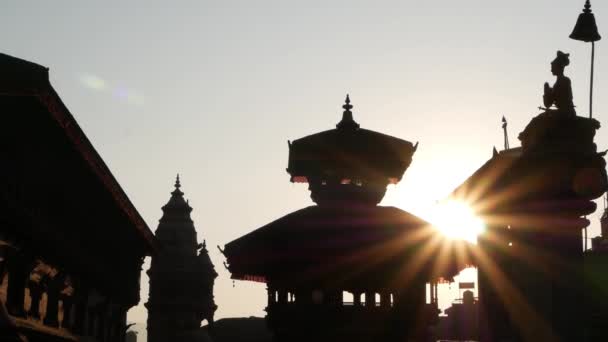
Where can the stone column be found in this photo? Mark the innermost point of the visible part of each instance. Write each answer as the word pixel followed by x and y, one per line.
pixel 102 320
pixel 18 273
pixel 54 287
pixel 91 322
pixel 270 296
pixel 370 299
pixel 36 290
pixel 282 296
pixel 385 299
pixel 357 298
pixel 67 311
pixel 80 308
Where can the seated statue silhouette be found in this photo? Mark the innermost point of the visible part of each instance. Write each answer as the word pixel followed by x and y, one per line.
pixel 560 95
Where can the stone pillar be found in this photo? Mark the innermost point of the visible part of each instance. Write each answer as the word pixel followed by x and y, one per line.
pixel 282 296
pixel 271 300
pixel 357 298
pixel 370 299
pixel 80 309
pixel 18 273
pixel 91 322
pixel 102 320
pixel 385 299
pixel 36 290
pixel 54 287
pixel 122 324
pixel 67 303
pixel 563 174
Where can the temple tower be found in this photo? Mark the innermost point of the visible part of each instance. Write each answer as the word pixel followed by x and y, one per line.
pixel 181 276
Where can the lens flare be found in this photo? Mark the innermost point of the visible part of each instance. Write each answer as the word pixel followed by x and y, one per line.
pixel 98 84
pixel 457 220
pixel 93 82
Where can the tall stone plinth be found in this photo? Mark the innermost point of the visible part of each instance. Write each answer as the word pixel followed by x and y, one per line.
pixel 566 173
pixel 544 195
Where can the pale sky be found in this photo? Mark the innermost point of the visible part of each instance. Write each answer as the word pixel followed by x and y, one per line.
pixel 213 90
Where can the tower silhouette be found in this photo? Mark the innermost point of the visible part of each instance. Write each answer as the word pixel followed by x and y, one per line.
pixel 181 276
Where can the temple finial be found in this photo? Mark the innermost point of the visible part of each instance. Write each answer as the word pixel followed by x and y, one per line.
pixel 587 7
pixel 177 183
pixel 505 134
pixel 347 116
pixel 347 106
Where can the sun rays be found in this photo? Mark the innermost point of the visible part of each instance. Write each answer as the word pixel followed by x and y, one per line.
pixel 456 220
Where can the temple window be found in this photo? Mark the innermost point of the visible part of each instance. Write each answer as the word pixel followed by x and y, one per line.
pixel 348 298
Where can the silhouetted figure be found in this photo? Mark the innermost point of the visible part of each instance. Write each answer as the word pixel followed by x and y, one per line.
pixel 560 94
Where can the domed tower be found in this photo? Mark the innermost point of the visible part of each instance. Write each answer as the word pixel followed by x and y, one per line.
pixel 345 269
pixel 181 276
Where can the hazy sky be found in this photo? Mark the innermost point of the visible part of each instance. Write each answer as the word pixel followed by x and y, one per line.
pixel 213 90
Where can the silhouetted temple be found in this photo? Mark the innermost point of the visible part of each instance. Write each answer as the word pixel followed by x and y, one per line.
pixel 71 242
pixel 314 259
pixel 181 277
pixel 533 284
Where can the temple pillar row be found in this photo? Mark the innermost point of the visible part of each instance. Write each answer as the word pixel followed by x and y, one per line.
pixel 372 299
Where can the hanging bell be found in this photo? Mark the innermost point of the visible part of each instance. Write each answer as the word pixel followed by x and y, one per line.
pixel 586 28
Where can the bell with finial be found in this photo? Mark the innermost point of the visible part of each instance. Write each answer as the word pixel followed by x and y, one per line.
pixel 586 28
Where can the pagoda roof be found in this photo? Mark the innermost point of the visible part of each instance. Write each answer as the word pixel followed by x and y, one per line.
pixel 349 151
pixel 361 246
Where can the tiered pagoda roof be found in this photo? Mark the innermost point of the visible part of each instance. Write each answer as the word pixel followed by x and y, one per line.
pixel 345 240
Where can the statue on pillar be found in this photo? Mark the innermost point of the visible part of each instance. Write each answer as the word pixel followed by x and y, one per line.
pixel 560 94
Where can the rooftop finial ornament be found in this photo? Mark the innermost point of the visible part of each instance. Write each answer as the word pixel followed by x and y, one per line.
pixel 504 129
pixel 177 183
pixel 586 30
pixel 347 116
pixel 560 94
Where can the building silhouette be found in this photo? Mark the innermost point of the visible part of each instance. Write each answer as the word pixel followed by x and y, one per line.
pixel 347 269
pixel 536 283
pixel 181 277
pixel 71 242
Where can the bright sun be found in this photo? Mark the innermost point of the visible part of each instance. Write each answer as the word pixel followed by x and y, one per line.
pixel 457 220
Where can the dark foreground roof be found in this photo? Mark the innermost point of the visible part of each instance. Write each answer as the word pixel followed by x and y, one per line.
pixel 30 82
pixel 58 199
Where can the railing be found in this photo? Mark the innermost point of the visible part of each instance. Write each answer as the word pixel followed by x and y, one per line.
pixel 376 304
